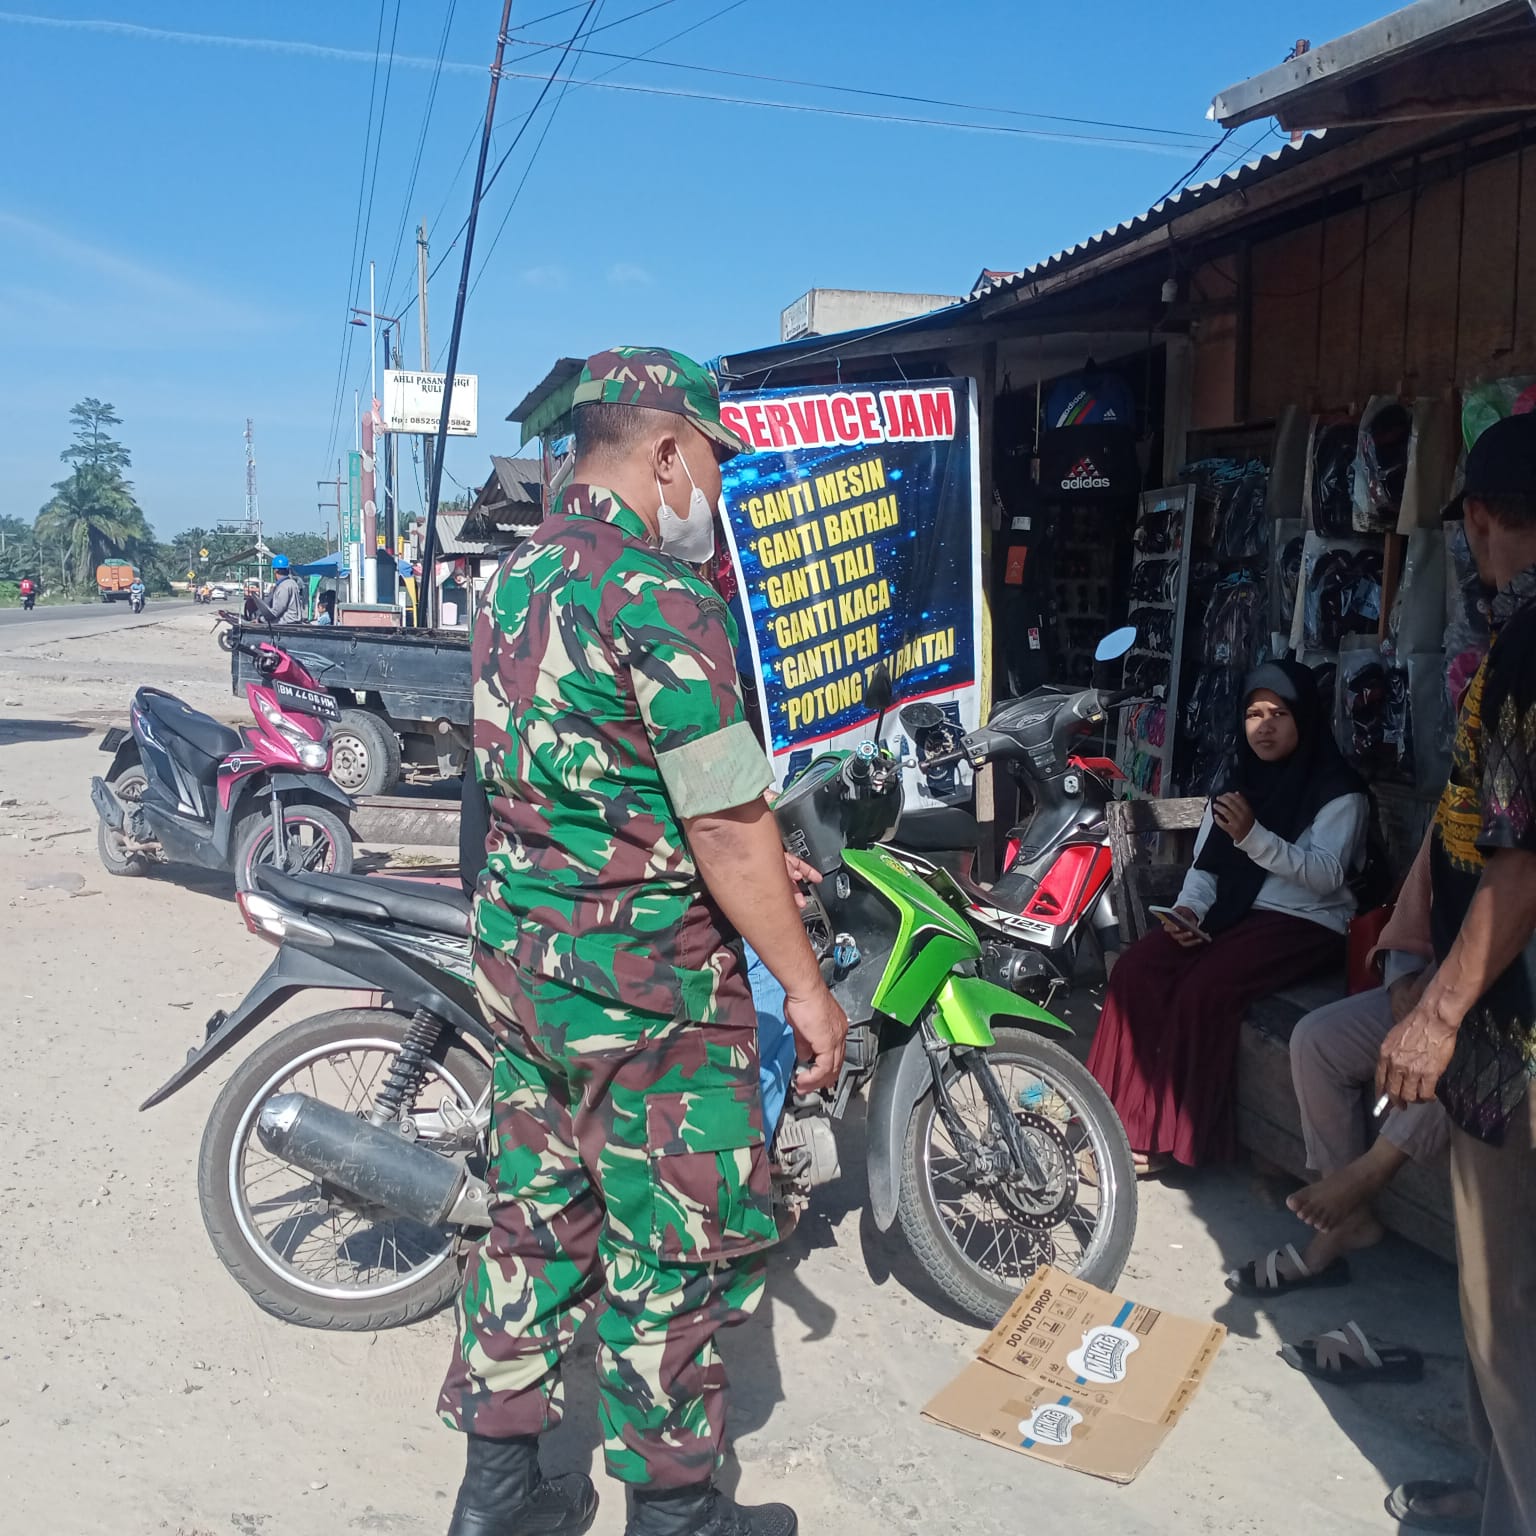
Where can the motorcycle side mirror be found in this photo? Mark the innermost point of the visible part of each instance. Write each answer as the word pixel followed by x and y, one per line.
pixel 922 717
pixel 1115 644
pixel 878 695
pixel 1109 650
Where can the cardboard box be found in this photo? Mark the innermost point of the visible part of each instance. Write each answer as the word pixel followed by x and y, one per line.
pixel 1080 1378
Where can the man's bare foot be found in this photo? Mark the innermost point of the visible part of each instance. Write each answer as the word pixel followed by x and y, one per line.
pixel 1147 1164
pixel 1360 1230
pixel 1335 1199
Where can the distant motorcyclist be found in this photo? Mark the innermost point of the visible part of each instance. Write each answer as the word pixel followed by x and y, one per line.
pixel 28 592
pixel 287 599
pixel 136 594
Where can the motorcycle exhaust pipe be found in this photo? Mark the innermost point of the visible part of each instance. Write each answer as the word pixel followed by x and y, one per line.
pixel 368 1161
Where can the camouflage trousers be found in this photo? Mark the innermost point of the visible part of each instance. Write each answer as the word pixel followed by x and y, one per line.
pixel 628 1175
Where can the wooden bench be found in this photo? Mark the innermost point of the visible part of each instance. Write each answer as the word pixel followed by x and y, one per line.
pixel 1152 845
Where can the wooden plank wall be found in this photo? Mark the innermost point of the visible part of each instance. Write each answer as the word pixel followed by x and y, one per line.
pixel 1412 292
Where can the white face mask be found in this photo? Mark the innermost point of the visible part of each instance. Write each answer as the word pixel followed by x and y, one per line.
pixel 691 538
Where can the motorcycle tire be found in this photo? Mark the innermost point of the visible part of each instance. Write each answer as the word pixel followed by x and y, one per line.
pixel 271 1284
pixel 365 754
pixel 983 1294
pixel 226 640
pixel 128 786
pixel 254 845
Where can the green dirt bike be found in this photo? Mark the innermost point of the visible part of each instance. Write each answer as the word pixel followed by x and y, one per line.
pixel 995 1149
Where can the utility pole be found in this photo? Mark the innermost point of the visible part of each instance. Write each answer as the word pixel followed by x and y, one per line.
pixel 323 505
pixel 426 350
pixel 386 576
pixel 424 597
pixel 369 449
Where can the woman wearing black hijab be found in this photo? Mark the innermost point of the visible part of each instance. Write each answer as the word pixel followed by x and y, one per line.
pixel 1269 901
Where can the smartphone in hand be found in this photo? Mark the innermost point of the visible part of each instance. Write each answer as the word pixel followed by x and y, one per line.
pixel 1181 920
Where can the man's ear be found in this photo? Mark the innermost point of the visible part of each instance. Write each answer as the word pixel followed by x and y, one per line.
pixel 1477 517
pixel 666 458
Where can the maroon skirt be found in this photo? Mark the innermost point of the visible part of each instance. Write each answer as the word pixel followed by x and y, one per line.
pixel 1166 1045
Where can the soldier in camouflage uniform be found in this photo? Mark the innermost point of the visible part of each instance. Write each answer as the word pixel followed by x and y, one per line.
pixel 630 845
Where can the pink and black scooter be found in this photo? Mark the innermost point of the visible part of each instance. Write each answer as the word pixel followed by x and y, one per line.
pixel 184 789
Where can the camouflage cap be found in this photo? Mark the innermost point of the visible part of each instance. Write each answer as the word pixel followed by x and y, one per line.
pixel 661 380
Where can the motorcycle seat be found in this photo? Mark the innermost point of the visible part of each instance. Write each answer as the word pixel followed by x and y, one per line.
pixel 204 732
pixel 415 903
pixel 938 829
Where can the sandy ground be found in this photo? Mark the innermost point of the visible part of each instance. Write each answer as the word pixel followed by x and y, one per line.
pixel 141 1393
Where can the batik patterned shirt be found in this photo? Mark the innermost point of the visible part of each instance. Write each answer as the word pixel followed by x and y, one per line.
pixel 1489 804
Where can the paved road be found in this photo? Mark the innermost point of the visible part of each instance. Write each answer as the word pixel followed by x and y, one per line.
pixel 54 622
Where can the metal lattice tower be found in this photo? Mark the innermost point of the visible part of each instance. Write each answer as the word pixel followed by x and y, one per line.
pixel 252 516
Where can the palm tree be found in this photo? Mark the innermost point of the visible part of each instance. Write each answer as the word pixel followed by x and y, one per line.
pixel 92 514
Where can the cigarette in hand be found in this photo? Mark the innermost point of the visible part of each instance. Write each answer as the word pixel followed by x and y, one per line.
pixel 1381 1106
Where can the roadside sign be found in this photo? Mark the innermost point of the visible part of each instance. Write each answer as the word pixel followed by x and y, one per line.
pixel 191 575
pixel 352 517
pixel 413 402
pixel 202 554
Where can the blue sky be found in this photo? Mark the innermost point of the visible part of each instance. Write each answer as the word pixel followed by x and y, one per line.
pixel 177 215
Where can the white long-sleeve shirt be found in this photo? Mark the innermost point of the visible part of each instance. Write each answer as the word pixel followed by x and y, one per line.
pixel 1308 878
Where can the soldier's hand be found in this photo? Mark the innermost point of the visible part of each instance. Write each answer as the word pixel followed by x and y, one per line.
pixel 821 1032
pixel 798 871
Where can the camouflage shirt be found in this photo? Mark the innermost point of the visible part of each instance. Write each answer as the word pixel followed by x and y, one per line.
pixel 606 710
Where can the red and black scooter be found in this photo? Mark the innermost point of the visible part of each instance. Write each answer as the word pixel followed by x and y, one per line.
pixel 185 789
pixel 1054 889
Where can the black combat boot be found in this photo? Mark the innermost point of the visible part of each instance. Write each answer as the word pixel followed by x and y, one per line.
pixel 705 1511
pixel 505 1494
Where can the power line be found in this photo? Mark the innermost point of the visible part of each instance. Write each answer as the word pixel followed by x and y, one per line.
pixel 421 142
pixel 1189 175
pixel 523 121
pixel 925 101
pixel 367 227
pixel 549 80
pixel 607 26
pixel 378 141
pixel 549 123
pixel 1053 135
pixel 565 10
pixel 624 59
pixel 345 351
pixel 1246 152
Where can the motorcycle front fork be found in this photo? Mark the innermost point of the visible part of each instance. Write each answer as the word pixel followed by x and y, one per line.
pixel 981 1160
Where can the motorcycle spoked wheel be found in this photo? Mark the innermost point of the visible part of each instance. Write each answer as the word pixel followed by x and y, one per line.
pixel 301 1252
pixel 319 842
pixel 981 1242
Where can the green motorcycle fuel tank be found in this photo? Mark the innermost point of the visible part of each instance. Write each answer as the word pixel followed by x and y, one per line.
pixel 896 942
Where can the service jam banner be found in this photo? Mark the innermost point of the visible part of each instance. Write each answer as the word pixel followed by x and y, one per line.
pixel 854 526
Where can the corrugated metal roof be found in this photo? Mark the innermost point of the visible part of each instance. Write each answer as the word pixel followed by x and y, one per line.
pixel 482 532
pixel 744 364
pixel 520 479
pixel 545 406
pixel 1239 179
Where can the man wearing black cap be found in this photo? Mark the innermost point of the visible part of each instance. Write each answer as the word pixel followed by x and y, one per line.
pixel 1471 1040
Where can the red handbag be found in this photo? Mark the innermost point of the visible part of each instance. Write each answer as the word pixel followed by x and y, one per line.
pixel 1363 974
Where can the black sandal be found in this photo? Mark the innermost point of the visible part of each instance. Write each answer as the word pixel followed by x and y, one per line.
pixel 1251 1280
pixel 1345 1356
